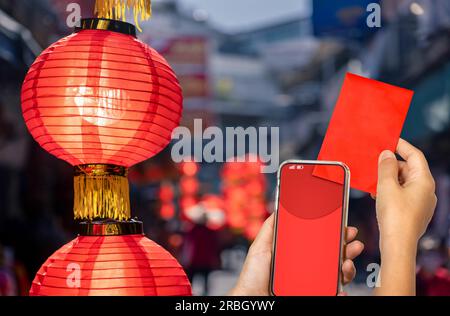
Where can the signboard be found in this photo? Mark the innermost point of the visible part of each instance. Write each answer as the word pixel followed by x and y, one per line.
pixel 188 56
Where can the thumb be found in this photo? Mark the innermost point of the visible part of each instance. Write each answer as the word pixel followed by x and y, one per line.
pixel 264 239
pixel 387 170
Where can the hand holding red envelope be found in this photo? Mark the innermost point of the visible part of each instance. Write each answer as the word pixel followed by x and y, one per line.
pixel 368 118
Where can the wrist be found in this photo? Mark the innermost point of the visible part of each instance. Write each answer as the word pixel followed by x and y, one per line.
pixel 398 267
pixel 238 290
pixel 398 248
pixel 234 292
pixel 396 240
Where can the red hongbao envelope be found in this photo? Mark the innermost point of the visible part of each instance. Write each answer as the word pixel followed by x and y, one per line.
pixel 368 118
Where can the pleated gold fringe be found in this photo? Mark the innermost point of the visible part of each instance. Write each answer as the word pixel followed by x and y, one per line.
pixel 116 9
pixel 101 197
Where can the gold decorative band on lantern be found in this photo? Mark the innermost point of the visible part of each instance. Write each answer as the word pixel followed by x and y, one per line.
pixel 101 192
pixel 117 9
pixel 111 228
pixel 107 25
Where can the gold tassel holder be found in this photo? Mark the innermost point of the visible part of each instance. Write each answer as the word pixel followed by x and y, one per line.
pixel 101 191
pixel 117 9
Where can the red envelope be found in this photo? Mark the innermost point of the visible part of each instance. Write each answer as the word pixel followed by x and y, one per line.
pixel 368 118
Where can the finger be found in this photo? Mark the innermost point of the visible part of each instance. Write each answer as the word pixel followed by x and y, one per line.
pixel 403 167
pixel 264 239
pixel 350 233
pixel 387 170
pixel 348 271
pixel 353 249
pixel 417 165
pixel 373 196
pixel 403 172
pixel 414 158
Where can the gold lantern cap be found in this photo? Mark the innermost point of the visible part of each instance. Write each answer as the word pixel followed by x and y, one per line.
pixel 110 227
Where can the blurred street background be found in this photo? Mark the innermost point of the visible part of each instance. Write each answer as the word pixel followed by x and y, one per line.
pixel 240 63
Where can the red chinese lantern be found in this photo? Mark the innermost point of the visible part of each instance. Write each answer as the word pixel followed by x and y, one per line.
pixel 103 101
pixel 101 97
pixel 131 265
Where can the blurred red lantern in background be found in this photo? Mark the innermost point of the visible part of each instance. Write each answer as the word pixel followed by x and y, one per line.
pixel 244 190
pixel 189 168
pixel 189 187
pixel 209 210
pixel 256 187
pixel 187 202
pixel 215 210
pixel 167 211
pixel 236 199
pixel 166 192
pixel 166 198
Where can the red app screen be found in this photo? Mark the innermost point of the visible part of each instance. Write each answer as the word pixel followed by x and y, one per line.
pixel 308 232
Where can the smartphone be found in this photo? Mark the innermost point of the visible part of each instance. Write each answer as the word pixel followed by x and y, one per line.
pixel 311 216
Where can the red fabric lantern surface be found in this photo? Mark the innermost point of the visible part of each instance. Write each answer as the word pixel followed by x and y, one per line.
pixel 99 96
pixel 130 265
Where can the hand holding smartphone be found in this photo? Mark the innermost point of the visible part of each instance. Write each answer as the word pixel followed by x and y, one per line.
pixel 311 215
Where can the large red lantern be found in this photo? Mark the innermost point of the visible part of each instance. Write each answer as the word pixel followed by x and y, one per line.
pixel 101 97
pixel 114 264
pixel 103 101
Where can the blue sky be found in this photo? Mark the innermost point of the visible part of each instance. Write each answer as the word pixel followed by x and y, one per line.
pixel 238 15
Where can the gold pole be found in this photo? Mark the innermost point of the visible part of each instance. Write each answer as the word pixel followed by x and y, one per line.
pixel 117 9
pixel 101 191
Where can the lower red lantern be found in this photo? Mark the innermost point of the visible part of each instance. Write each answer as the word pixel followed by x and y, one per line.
pixel 111 258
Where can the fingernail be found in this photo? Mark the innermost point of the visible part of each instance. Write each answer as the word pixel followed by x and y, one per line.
pixel 385 155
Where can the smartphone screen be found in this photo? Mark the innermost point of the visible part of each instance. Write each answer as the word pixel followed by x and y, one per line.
pixel 310 218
